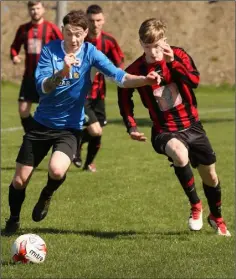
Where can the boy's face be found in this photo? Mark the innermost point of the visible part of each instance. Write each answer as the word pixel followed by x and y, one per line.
pixel 36 12
pixel 73 37
pixel 153 51
pixel 96 22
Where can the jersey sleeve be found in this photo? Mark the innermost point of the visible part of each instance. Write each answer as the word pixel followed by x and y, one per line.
pixel 56 33
pixel 106 67
pixel 44 68
pixel 117 56
pixel 16 45
pixel 126 105
pixel 184 69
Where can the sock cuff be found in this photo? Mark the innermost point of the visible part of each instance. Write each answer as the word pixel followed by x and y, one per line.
pixel 56 182
pixel 96 140
pixel 205 186
pixel 29 117
pixel 12 188
pixel 184 171
pixel 182 168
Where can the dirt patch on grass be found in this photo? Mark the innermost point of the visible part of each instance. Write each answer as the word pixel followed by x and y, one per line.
pixel 206 31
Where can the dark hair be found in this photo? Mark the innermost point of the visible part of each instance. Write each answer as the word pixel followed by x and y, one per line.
pixel 76 18
pixel 94 9
pixel 32 3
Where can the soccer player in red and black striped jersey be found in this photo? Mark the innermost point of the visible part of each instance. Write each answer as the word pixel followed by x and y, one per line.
pixel 33 36
pixel 177 131
pixel 95 104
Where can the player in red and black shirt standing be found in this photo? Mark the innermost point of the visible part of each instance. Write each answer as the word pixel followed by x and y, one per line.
pixel 95 104
pixel 33 36
pixel 177 131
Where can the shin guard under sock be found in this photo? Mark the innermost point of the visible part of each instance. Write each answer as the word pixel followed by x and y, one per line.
pixel 16 198
pixel 186 179
pixel 93 148
pixel 213 195
pixel 52 186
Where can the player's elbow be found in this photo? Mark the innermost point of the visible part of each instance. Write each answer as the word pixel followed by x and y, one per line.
pixel 195 80
pixel 195 85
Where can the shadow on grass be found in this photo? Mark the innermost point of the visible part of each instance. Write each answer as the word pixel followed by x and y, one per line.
pixel 5 263
pixel 130 234
pixel 14 168
pixel 8 263
pixel 99 234
pixel 146 122
pixel 142 122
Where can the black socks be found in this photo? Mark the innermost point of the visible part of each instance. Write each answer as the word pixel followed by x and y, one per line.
pixel 213 195
pixel 93 148
pixel 15 198
pixel 186 179
pixel 52 186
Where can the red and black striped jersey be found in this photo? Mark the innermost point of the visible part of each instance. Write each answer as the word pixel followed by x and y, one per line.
pixel 33 37
pixel 172 105
pixel 109 46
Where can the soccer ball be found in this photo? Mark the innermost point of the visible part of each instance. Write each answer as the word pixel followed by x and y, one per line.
pixel 29 248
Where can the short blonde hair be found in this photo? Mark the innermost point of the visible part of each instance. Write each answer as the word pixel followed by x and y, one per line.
pixel 151 30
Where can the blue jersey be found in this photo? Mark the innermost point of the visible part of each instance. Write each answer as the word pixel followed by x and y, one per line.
pixel 63 108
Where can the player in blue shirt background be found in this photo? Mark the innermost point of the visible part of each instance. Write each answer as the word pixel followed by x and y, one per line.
pixel 63 81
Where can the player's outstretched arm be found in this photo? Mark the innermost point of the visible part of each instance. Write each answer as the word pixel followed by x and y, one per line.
pixel 122 78
pixel 133 81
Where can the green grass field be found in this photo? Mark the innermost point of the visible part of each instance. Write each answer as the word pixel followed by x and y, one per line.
pixel 128 220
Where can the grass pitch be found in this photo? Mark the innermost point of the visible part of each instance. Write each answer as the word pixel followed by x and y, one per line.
pixel 128 220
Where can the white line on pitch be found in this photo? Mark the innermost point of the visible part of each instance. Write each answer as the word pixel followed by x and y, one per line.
pixel 207 111
pixel 11 129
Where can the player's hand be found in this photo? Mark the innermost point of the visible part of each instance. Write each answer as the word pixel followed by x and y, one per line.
pixel 16 59
pixel 138 136
pixel 69 60
pixel 153 78
pixel 168 54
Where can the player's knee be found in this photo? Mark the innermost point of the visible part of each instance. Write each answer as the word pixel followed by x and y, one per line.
pixel 56 173
pixel 181 159
pixel 24 114
pixel 178 152
pixel 24 110
pixel 19 182
pixel 96 131
pixel 211 178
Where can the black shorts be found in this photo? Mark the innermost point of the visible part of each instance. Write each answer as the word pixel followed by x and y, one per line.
pixel 38 141
pixel 95 110
pixel 28 91
pixel 195 140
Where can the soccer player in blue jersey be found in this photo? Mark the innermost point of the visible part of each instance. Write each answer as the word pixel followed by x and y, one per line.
pixel 62 80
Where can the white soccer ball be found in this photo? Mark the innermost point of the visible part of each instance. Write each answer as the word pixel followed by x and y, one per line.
pixel 29 248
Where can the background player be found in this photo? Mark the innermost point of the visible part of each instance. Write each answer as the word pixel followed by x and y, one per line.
pixel 33 36
pixel 95 103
